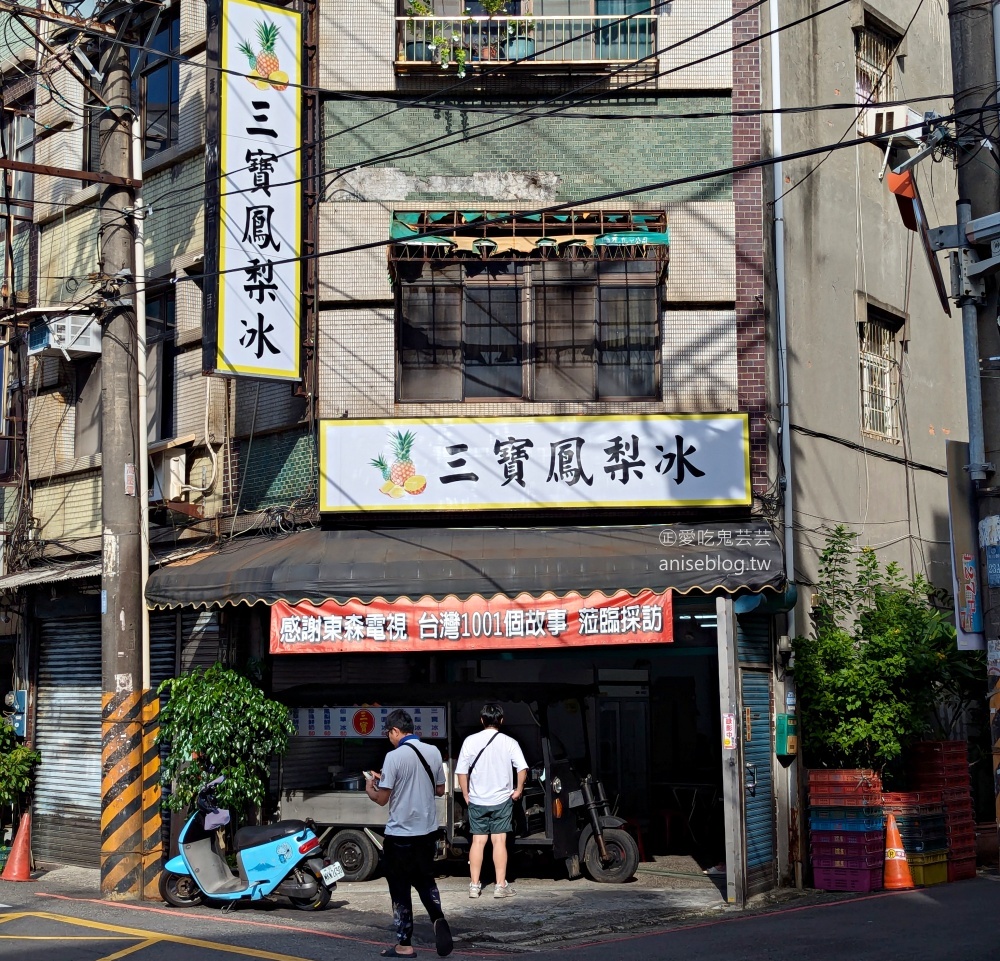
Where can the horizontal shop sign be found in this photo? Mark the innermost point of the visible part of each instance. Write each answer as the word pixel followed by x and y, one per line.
pixel 473 624
pixel 428 721
pixel 448 463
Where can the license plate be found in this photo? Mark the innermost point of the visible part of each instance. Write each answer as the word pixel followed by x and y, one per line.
pixel 332 873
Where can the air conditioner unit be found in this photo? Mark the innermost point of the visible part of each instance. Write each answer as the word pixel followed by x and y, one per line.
pixel 885 122
pixel 169 475
pixel 75 335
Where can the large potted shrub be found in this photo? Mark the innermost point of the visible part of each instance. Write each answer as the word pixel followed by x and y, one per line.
pixel 880 663
pixel 216 721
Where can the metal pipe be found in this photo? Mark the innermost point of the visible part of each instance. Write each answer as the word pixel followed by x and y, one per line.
pixel 779 286
pixel 973 383
pixel 138 218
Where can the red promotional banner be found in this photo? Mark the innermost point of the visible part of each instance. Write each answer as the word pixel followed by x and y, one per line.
pixel 475 624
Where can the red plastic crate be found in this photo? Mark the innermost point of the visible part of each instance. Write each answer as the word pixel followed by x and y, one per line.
pixel 956 766
pixel 858 799
pixel 940 747
pixel 960 869
pixel 854 776
pixel 845 879
pixel 912 797
pixel 942 782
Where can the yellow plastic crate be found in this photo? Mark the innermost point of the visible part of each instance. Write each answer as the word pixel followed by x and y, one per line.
pixel 928 869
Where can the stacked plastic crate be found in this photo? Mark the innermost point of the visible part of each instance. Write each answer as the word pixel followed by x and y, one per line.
pixel 921 822
pixel 944 766
pixel 846 830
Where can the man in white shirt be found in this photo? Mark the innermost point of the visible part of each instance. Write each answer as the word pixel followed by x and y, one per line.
pixel 485 773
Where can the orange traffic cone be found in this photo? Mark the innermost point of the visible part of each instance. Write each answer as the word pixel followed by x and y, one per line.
pixel 897 872
pixel 19 861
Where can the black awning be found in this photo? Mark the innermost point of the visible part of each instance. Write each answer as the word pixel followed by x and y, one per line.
pixel 319 565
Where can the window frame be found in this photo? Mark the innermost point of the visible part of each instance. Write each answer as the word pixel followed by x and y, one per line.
pixel 161 350
pixel 528 278
pixel 879 347
pixel 149 62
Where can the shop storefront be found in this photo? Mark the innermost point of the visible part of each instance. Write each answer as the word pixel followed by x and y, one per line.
pixel 629 613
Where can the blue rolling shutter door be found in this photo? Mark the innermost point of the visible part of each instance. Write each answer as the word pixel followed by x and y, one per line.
pixel 754 641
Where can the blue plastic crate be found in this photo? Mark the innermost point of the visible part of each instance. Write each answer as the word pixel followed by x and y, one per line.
pixel 852 824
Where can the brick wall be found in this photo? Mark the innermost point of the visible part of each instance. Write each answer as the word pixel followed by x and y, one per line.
pixel 276 469
pixel 572 157
pixel 748 199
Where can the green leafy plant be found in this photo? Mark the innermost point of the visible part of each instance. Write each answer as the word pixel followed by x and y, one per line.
pixel 17 765
pixel 881 661
pixel 493 7
pixel 416 8
pixel 216 722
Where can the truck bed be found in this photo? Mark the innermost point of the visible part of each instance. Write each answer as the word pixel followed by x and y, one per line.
pixel 343 808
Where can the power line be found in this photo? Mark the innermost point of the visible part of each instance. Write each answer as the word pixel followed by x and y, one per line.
pixel 601 198
pixel 853 123
pixel 464 136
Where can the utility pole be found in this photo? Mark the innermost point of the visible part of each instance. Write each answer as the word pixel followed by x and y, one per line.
pixel 974 51
pixel 122 694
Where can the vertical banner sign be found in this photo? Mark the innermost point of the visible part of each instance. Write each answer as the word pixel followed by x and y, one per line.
pixel 255 309
pixel 962 522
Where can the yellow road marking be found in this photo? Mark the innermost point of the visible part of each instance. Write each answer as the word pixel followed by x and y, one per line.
pixel 61 937
pixel 142 935
pixel 127 951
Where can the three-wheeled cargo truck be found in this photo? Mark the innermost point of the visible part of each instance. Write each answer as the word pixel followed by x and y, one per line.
pixel 564 809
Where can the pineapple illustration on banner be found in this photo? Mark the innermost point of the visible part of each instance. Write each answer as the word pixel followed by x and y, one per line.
pixel 402 477
pixel 264 66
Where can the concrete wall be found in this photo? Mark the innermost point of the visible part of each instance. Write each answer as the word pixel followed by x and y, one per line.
pixel 844 236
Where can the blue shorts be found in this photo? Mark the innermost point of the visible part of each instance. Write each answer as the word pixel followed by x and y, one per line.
pixel 495 819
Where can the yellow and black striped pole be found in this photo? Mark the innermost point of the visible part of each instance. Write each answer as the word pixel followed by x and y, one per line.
pixel 152 823
pixel 121 793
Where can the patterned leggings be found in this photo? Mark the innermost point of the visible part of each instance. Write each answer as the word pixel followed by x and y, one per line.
pixel 409 862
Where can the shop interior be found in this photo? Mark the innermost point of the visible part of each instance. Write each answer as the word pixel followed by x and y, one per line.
pixel 646 722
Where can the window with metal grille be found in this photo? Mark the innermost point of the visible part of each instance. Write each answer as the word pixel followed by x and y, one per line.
pixel 879 375
pixel 874 50
pixel 567 310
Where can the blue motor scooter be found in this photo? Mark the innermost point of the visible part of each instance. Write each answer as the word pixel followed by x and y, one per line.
pixel 282 858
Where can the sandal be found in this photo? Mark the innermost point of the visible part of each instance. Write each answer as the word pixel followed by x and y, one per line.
pixel 393 953
pixel 442 938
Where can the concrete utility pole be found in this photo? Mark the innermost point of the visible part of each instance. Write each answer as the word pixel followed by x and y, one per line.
pixel 974 71
pixel 121 597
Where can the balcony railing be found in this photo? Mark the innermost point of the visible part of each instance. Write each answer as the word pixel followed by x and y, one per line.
pixel 464 41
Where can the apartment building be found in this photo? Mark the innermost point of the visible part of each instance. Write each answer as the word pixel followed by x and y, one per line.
pixel 532 317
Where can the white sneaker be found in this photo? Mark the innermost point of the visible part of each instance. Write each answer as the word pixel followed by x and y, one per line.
pixel 475 890
pixel 503 891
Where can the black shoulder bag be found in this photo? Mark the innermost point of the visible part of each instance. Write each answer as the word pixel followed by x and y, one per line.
pixel 479 755
pixel 427 767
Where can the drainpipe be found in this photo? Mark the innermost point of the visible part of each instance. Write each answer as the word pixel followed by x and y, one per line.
pixel 139 267
pixel 790 830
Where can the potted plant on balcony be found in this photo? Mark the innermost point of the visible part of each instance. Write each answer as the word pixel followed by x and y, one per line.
pixel 489 46
pixel 520 39
pixel 419 47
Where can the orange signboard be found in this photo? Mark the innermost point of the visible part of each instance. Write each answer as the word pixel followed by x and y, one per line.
pixel 473 624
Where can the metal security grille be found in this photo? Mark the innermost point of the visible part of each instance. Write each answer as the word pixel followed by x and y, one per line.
pixel 874 72
pixel 879 380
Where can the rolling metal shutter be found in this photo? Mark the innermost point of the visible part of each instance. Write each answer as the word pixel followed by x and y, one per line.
pixel 66 825
pixel 67 799
pixel 758 807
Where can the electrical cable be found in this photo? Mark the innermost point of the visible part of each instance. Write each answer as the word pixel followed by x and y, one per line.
pixel 853 123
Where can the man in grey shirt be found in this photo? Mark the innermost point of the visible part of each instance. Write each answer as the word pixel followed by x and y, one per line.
pixel 411 777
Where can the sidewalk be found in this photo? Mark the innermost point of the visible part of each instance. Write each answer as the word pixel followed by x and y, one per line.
pixel 666 892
